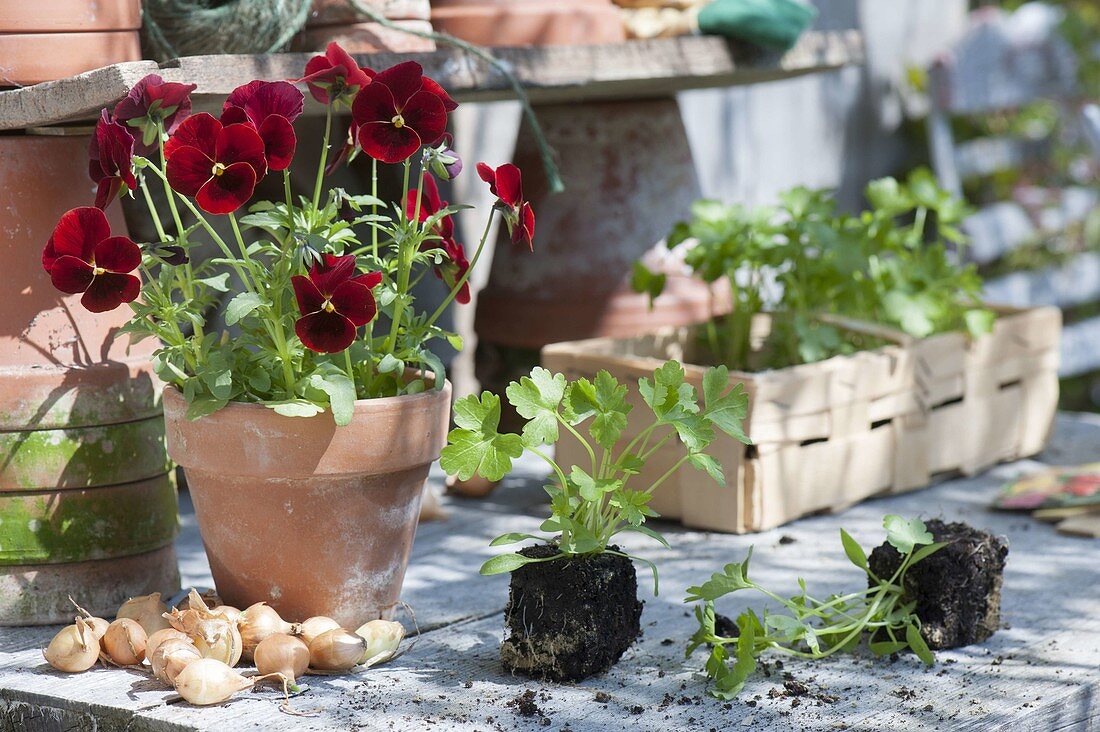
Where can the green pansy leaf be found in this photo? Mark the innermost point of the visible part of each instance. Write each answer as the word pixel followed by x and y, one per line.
pixel 241 305
pixel 341 395
pixel 217 282
pixel 295 408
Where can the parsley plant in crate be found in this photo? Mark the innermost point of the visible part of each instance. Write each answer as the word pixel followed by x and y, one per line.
pixel 591 504
pixel 807 627
pixel 888 265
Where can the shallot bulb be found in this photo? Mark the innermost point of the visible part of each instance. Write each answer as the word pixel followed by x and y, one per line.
pixel 282 654
pixel 219 639
pixel 74 649
pixel 207 599
pixel 257 623
pixel 336 650
pixel 209 681
pixel 98 625
pixel 159 637
pixel 125 642
pixel 171 657
pixel 147 610
pixel 310 628
pixel 382 637
pixel 228 612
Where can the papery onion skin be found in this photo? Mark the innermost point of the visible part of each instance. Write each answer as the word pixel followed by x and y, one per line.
pixel 125 642
pixel 282 654
pixel 228 612
pixel 171 657
pixel 209 681
pixel 74 649
pixel 383 638
pixel 147 610
pixel 310 628
pixel 336 650
pixel 160 637
pixel 257 622
pixel 219 639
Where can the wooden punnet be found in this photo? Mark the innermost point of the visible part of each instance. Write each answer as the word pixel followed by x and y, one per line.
pixel 829 434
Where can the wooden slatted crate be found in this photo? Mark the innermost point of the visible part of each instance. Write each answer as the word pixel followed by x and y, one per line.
pixel 829 434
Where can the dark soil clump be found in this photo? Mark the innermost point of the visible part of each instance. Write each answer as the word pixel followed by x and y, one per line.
pixel 570 618
pixel 957 589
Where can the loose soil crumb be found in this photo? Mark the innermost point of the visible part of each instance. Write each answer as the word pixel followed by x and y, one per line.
pixel 525 705
pixel 602 697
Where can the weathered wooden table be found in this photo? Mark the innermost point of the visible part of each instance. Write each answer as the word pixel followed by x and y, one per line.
pixel 1040 672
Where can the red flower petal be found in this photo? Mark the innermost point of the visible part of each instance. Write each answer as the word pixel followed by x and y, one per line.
pixel 386 143
pixel 332 272
pixel 275 97
pixel 509 185
pixel 306 293
pixel 198 131
pixel 71 274
pixel 229 191
pixel 370 280
pixel 106 191
pixel 319 75
pixel 234 116
pixel 76 234
pixel 279 142
pixel 188 169
pixel 526 226
pixel 325 332
pixel 118 254
pixel 374 104
pixel 432 86
pixel 355 302
pixel 355 76
pixel 404 80
pixel 488 175
pixel 109 290
pixel 242 144
pixel 425 113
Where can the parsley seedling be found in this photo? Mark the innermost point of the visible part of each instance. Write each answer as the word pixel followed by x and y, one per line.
pixel 806 259
pixel 592 504
pixel 810 628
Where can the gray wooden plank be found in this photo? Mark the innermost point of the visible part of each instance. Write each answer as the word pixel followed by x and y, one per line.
pixel 657 67
pixel 1037 673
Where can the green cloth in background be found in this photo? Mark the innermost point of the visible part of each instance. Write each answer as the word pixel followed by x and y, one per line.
pixel 771 23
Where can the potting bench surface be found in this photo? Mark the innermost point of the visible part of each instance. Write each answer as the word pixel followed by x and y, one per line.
pixel 1041 671
pixel 634 70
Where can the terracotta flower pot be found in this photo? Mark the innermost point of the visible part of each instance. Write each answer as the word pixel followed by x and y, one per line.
pixel 530 22
pixel 313 518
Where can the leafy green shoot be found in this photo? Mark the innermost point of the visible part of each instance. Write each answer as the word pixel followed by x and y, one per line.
pixel 593 503
pixel 808 627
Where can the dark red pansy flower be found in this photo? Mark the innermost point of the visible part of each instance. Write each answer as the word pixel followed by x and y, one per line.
pixel 334 302
pixel 452 269
pixel 335 77
pixel 398 113
pixel 154 100
pixel 430 205
pixel 506 183
pixel 82 256
pixel 271 107
pixel 217 165
pixel 110 160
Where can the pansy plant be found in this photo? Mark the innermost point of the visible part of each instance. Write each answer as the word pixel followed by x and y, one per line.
pixel 591 504
pixel 312 273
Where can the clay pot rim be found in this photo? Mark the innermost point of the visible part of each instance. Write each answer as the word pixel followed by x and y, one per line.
pixel 363 406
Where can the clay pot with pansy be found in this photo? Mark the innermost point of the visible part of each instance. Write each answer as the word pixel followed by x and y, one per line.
pixel 307 435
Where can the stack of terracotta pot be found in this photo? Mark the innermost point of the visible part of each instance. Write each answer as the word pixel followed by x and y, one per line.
pixel 86 504
pixel 529 22
pixel 41 42
pixel 336 20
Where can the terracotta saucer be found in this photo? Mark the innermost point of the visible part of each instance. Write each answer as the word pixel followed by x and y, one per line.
pixel 529 22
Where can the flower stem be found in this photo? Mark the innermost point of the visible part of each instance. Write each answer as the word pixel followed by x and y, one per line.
pixel 403 269
pixel 464 278
pixel 374 206
pixel 350 368
pixel 324 158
